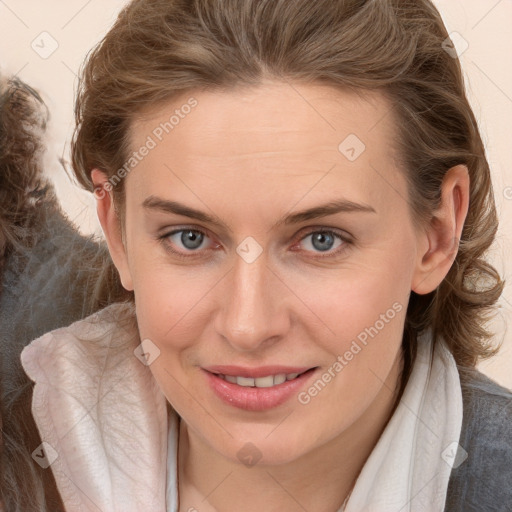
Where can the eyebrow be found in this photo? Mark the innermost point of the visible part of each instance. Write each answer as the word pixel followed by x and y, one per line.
pixel 342 205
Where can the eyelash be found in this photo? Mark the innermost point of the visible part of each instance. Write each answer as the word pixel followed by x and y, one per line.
pixel 163 239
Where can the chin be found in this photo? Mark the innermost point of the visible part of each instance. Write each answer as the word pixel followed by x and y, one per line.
pixel 263 450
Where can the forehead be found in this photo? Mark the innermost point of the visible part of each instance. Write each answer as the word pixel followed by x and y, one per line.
pixel 257 112
pixel 274 138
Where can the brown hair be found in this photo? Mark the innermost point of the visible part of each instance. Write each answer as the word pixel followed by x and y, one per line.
pixel 51 276
pixel 22 119
pixel 158 49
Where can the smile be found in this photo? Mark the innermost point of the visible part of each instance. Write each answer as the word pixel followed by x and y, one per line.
pixel 260 382
pixel 271 388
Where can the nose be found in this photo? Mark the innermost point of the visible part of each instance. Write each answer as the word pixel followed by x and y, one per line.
pixel 253 309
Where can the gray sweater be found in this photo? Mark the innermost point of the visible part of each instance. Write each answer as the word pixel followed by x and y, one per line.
pixel 483 482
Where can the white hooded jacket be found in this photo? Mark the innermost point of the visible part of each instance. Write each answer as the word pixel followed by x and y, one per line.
pixel 110 437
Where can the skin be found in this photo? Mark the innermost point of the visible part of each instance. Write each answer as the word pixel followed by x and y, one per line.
pixel 250 156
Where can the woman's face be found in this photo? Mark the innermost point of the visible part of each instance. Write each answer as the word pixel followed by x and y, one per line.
pixel 269 227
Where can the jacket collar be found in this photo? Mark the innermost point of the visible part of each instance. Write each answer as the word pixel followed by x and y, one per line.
pixel 101 416
pixel 104 424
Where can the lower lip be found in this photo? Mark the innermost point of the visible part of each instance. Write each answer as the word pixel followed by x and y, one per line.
pixel 253 398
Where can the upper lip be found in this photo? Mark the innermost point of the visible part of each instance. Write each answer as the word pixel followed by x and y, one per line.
pixel 260 371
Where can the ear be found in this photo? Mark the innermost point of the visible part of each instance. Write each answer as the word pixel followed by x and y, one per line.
pixel 440 242
pixel 111 226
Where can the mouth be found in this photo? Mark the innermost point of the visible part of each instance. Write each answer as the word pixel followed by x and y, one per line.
pixel 269 381
pixel 257 389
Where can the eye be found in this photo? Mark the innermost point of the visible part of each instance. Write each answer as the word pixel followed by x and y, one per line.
pixel 190 239
pixel 186 241
pixel 324 241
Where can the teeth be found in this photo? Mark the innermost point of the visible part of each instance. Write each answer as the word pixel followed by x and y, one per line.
pixel 245 381
pixel 279 378
pixel 260 382
pixel 264 382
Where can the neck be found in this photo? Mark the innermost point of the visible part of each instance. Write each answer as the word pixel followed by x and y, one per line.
pixel 320 480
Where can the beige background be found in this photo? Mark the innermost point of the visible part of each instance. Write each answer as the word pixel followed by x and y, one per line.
pixel 67 29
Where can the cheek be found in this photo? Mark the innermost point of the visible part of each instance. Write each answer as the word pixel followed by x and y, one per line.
pixel 171 301
pixel 362 312
pixel 349 299
pixel 365 327
pixel 172 315
pixel 365 315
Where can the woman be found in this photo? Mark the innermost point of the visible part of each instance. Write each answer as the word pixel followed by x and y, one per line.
pixel 297 195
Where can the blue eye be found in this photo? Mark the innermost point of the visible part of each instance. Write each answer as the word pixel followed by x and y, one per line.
pixel 324 241
pixel 191 239
pixel 187 240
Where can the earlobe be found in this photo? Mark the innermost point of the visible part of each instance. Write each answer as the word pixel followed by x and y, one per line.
pixel 440 243
pixel 111 226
